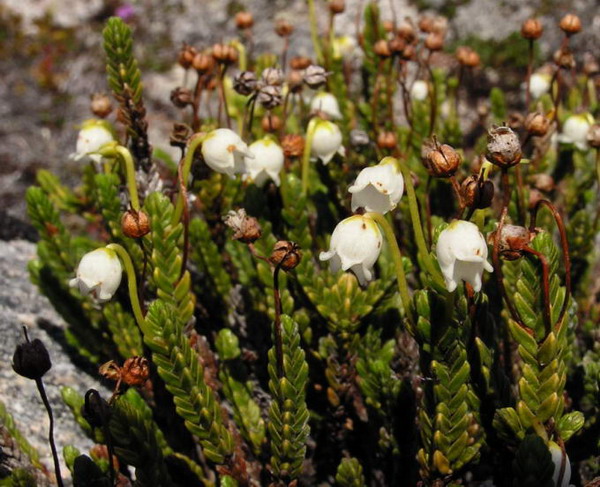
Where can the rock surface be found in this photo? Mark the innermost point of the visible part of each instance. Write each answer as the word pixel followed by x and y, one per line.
pixel 22 305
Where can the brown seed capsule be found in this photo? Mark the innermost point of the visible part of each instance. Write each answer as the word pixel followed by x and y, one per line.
pixel 434 41
pixel 397 45
pixel 286 255
pixel 246 228
pixel 186 56
pixel 245 83
pixel 467 57
pixel 564 58
pixel 503 147
pixel 315 76
pixel 203 63
pixel 271 123
pixel 570 24
pixel 295 80
pixel 440 161
pixel 537 124
pixel 300 62
pixel 181 97
pixel 591 67
pixel 409 52
pixel 135 371
pixel 180 134
pixel 426 24
pixel 269 96
pixel 244 20
pixel 101 105
pixel 283 28
pixel 31 359
pixel 406 31
pixel 337 6
pixel 110 370
pixel 388 25
pixel 475 193
pixel 386 140
pixel 292 145
pixel 382 48
pixel 593 136
pixel 532 29
pixel 273 76
pixel 511 241
pixel 224 53
pixel 135 224
pixel 543 182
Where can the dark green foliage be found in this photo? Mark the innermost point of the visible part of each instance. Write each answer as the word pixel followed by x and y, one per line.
pixel 533 465
pixel 350 473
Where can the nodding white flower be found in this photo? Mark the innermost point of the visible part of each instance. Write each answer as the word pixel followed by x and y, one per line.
pixel 266 163
pixel 557 459
pixel 326 103
pixel 539 84
pixel 92 136
pixel 462 254
pixel 355 245
pixel 378 188
pixel 99 274
pixel 327 141
pixel 575 130
pixel 224 151
pixel 419 90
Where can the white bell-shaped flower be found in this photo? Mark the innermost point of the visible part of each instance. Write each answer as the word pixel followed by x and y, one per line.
pixel 327 141
pixel 575 130
pixel 224 151
pixel 557 459
pixel 378 188
pixel 419 90
pixel 92 136
pixel 326 103
pixel 355 245
pixel 267 161
pixel 99 274
pixel 462 254
pixel 539 84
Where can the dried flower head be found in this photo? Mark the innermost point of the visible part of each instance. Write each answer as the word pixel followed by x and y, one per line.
pixel 283 28
pixel 570 24
pixel 181 97
pixel 244 20
pixel 135 224
pixel 186 56
pixel 537 124
pixel 315 76
pixel 135 371
pixel 269 96
pixel 246 228
pixel 475 193
pixel 101 105
pixel 382 48
pixel 271 123
pixel 337 6
pixel 292 145
pixel 512 241
pixel 272 76
pixel 386 139
pixel 203 63
pixel 300 62
pixel 532 29
pixel 31 359
pixel 503 147
pixel 224 53
pixel 180 134
pixel 564 58
pixel 434 41
pixel 245 82
pixel 286 255
pixel 467 57
pixel 441 161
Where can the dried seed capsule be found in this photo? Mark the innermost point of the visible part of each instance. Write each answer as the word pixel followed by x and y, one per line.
pixel 224 53
pixel 359 138
pixel 186 56
pixel 135 224
pixel 292 145
pixel 300 62
pixel 271 123
pixel 475 193
pixel 337 6
pixel 286 255
pixel 532 29
pixel 406 31
pixel 564 58
pixel 441 161
pixel 315 76
pixel 101 105
pixel 203 63
pixel 467 57
pixel 434 41
pixel 245 83
pixel 503 147
pixel 273 76
pixel 31 359
pixel 269 96
pixel 244 20
pixel 397 45
pixel 511 241
pixel 570 24
pixel 246 228
pixel 181 97
pixel 283 28
pixel 537 124
pixel 135 371
pixel 382 48
pixel 387 140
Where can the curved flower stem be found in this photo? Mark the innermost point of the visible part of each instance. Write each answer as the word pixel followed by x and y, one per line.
pixel 185 175
pixel 310 132
pixel 112 149
pixel 564 247
pixel 418 227
pixel 314 34
pixel 131 284
pixel 398 265
pixel 243 57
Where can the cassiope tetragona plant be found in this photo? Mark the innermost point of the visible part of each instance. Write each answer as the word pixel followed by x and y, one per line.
pixel 333 268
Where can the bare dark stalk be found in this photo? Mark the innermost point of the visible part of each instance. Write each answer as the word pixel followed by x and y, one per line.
pixel 564 247
pixel 40 387
pixel 545 288
pixel 286 45
pixel 456 189
pixel 196 103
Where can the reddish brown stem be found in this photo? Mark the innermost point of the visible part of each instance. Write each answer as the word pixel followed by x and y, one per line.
pixel 529 70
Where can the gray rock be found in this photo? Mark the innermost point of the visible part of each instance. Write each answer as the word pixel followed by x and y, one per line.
pixel 22 305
